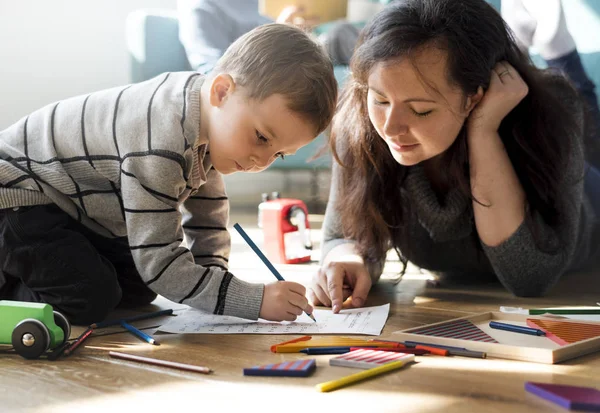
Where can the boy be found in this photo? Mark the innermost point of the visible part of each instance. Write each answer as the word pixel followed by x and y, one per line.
pixel 99 192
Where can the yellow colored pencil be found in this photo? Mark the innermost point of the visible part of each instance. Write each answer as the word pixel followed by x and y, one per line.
pixel 353 378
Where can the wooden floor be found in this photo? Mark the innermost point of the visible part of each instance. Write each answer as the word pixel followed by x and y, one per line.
pixel 90 381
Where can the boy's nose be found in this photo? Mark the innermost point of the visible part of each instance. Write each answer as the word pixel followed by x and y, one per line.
pixel 261 162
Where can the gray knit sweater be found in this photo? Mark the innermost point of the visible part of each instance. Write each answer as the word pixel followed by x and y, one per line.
pixel 129 162
pixel 443 237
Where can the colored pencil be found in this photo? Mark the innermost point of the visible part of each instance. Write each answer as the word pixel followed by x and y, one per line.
pixel 555 310
pixel 296 340
pixel 468 353
pixel 363 375
pixel 68 351
pixel 416 352
pixel 325 350
pixel 264 259
pixel 517 329
pixel 434 350
pixel 140 334
pixel 162 363
pixel 131 319
pixel 418 343
pixel 59 351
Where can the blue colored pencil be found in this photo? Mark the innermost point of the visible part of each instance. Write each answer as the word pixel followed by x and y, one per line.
pixel 262 256
pixel 130 319
pixel 332 349
pixel 517 329
pixel 139 333
pixel 325 350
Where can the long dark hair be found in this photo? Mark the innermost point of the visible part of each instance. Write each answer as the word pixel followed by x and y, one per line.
pixel 537 134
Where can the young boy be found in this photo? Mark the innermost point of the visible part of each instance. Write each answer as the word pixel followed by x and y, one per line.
pixel 114 197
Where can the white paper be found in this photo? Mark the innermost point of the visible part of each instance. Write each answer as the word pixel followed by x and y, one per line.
pixel 368 320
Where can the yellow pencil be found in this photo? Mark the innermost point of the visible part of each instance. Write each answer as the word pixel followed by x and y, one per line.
pixel 353 378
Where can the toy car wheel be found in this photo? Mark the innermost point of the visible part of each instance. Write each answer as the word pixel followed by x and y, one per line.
pixel 30 338
pixel 64 324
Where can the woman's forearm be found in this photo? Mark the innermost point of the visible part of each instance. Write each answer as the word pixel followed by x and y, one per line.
pixel 499 200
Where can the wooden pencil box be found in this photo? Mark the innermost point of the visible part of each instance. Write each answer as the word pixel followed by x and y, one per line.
pixel 473 333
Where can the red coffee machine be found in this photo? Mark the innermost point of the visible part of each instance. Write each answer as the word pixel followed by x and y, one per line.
pixel 286 229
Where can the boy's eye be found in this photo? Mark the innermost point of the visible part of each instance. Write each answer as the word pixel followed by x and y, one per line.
pixel 261 137
pixel 280 155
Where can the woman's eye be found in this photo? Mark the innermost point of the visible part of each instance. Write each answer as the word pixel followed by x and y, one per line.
pixel 261 137
pixel 379 102
pixel 422 114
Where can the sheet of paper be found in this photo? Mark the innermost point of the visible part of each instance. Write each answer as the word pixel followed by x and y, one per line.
pixel 368 320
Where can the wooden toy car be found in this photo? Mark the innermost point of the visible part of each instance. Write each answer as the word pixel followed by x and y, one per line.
pixel 32 328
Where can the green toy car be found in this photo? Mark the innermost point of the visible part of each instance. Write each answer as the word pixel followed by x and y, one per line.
pixel 32 328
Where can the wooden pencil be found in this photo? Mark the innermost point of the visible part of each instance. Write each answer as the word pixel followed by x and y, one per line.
pixel 78 341
pixel 162 363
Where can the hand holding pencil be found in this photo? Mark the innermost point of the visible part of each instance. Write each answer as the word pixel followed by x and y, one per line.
pixel 284 301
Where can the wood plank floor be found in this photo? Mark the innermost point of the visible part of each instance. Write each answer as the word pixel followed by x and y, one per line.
pixel 90 381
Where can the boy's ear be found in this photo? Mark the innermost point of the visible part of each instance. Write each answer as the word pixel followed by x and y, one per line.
pixel 473 100
pixel 221 87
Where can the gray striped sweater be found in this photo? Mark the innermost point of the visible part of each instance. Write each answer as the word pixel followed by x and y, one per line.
pixel 129 162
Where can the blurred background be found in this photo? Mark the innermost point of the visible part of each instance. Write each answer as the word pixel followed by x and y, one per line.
pixel 51 50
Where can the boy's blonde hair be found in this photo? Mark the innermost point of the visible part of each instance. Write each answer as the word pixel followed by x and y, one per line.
pixel 282 59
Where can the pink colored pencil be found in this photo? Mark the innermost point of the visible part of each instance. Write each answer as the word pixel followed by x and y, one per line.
pixel 162 363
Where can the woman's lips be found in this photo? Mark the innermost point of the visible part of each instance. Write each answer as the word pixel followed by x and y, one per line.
pixel 401 147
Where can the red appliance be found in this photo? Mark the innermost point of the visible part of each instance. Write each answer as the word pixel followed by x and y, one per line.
pixel 286 230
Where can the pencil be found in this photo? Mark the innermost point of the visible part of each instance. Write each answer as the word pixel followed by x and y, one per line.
pixel 58 351
pixel 131 319
pixel 517 329
pixel 353 378
pixel 139 333
pixel 163 363
pixel 78 341
pixel 262 256
pixel 416 352
pixel 419 343
pixel 333 349
pixel 468 353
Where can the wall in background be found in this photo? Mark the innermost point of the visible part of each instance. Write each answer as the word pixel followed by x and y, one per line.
pixel 51 50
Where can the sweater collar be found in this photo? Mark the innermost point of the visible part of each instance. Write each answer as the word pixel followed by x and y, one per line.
pixel 445 220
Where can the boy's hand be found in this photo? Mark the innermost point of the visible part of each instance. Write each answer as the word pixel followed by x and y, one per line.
pixel 336 281
pixel 284 301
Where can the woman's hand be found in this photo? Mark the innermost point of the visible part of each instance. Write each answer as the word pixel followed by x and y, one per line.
pixel 507 88
pixel 337 281
pixel 284 301
pixel 296 15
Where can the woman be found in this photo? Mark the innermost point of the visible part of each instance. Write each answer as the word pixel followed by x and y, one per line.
pixel 454 150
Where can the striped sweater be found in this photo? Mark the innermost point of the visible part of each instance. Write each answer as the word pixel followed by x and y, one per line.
pixel 129 162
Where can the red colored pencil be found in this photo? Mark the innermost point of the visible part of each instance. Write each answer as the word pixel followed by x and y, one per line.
pixel 78 341
pixel 415 351
pixel 434 350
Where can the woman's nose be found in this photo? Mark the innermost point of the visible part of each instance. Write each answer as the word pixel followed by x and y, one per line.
pixel 395 124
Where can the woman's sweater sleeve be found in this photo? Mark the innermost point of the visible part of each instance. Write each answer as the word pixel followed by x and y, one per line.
pixel 532 259
pixel 332 226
